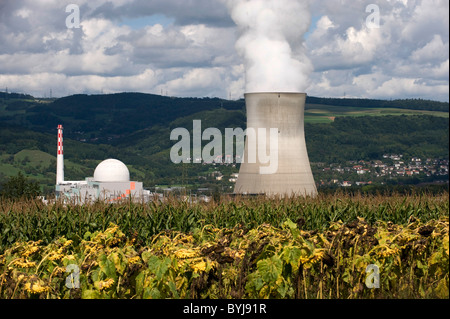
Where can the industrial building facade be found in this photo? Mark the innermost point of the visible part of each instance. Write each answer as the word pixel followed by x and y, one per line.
pixel 110 183
pixel 90 190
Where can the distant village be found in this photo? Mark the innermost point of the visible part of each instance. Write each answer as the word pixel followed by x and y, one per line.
pixel 352 173
pixel 377 171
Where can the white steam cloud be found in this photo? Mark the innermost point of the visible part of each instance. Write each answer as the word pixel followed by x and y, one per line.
pixel 271 43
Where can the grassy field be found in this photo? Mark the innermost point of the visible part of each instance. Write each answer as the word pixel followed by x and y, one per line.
pixel 237 248
pixel 316 113
pixel 41 167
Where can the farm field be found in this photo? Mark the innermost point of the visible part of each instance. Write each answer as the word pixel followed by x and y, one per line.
pixel 309 248
pixel 318 113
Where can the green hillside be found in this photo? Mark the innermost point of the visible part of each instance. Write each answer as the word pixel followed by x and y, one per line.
pixel 321 113
pixel 135 128
pixel 102 118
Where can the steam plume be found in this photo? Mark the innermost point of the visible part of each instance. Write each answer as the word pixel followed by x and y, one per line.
pixel 271 43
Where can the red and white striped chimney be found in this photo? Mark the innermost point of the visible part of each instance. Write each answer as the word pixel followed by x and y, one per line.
pixel 60 157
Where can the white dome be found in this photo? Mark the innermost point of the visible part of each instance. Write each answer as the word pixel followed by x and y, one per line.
pixel 111 170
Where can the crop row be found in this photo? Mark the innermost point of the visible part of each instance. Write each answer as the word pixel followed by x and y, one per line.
pixel 33 221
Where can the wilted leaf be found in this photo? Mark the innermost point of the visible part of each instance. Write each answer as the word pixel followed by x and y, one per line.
pixel 442 289
pixel 119 262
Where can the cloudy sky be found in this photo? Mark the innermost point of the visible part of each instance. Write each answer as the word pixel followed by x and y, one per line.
pixel 187 48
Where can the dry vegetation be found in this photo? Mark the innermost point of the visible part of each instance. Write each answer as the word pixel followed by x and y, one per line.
pixel 237 248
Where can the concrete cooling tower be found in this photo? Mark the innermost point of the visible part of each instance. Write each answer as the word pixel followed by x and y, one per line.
pixel 293 176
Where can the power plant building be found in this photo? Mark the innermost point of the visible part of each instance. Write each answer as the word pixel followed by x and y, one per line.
pixel 111 182
pixel 283 112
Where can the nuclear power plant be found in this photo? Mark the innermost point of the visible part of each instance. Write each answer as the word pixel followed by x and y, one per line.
pixel 110 183
pixel 293 176
pixel 275 160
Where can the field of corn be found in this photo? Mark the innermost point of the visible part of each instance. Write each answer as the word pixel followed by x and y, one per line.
pixel 236 248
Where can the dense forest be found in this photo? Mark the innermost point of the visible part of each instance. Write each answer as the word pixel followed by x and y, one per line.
pixel 109 116
pixel 413 104
pixel 368 138
pixel 15 96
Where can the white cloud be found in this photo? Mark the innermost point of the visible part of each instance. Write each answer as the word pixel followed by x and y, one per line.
pixel 406 56
pixel 435 50
pixel 23 13
pixel 195 55
pixel 196 80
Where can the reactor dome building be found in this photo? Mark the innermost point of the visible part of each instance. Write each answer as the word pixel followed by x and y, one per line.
pixel 111 170
pixel 110 183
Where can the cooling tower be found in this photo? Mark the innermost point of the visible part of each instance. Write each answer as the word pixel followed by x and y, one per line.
pixel 293 176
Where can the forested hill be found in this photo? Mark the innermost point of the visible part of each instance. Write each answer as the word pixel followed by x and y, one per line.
pixel 109 116
pixel 412 104
pixel 15 96
pixel 102 116
pixel 136 127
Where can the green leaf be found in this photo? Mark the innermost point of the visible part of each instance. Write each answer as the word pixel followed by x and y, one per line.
pixel 291 255
pixel 173 289
pixel 140 282
pixel 435 258
pixel 289 224
pixel 270 268
pixel 119 262
pixel 107 267
pixel 146 256
pixel 151 293
pixel 346 276
pixel 283 288
pixel 158 267
pixel 95 276
pixel 90 294
pixel 442 289
pixel 258 283
pixel 420 265
pixel 87 235
pixel 422 291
